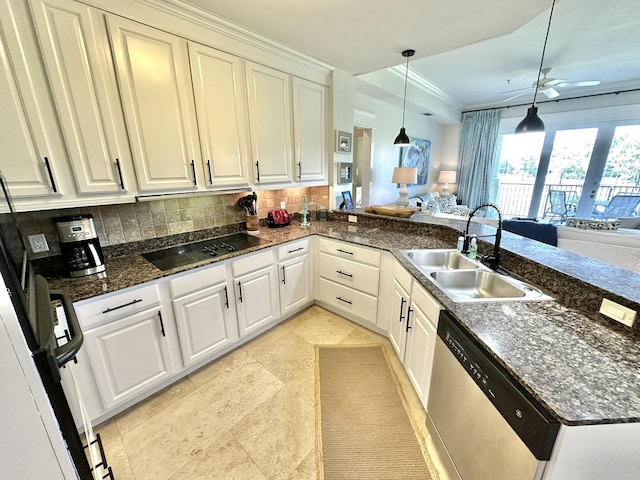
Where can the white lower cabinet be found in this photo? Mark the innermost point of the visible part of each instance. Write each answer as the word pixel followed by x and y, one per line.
pixel 205 315
pixel 129 355
pixel 295 276
pixel 255 284
pixel 413 329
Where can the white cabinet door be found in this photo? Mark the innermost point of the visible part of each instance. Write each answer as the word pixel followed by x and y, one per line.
pixel 256 299
pixel 157 96
pixel 221 105
pixel 398 324
pixel 28 157
pixel 75 47
pixel 418 358
pixel 309 130
pixel 206 322
pixel 129 356
pixel 269 94
pixel 295 284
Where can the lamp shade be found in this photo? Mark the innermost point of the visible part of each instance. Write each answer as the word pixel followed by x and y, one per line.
pixel 402 140
pixel 447 176
pixel 405 175
pixel 531 123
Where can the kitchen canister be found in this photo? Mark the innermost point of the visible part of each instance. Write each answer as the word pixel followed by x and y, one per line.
pixel 253 225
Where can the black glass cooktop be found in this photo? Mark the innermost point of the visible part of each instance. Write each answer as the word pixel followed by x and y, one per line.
pixel 181 255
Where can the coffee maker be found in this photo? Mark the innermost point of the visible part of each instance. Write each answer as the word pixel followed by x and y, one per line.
pixel 80 245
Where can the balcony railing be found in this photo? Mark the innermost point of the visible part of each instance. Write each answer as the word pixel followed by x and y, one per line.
pixel 514 199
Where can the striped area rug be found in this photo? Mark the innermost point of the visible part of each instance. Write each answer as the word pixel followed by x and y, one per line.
pixel 364 431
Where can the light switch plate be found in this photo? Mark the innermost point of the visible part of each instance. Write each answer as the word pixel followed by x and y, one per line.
pixel 38 243
pixel 617 312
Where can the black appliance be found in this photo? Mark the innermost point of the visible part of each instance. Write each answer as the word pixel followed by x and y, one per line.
pixel 182 255
pixel 80 245
pixel 32 302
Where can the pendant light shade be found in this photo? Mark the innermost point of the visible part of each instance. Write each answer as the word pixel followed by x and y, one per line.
pixel 402 140
pixel 532 123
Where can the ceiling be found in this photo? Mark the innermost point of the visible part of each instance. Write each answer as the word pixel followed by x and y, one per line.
pixel 472 51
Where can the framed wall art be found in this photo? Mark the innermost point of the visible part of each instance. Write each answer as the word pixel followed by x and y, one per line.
pixel 343 141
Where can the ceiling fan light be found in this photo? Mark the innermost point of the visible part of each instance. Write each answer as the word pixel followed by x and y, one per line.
pixel 531 123
pixel 402 140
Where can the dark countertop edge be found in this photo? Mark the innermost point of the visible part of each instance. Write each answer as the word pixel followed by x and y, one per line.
pixel 295 232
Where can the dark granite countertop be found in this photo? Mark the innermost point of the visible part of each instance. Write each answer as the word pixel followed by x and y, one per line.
pixel 585 369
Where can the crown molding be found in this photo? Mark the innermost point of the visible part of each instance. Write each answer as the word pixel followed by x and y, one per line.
pixel 425 85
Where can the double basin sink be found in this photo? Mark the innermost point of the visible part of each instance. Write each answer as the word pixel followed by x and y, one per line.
pixel 465 280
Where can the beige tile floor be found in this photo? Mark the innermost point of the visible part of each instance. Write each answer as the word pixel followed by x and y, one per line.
pixel 247 415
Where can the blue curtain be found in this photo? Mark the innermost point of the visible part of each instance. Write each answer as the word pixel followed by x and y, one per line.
pixel 477 157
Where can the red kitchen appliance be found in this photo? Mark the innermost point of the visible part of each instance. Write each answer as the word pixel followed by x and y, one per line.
pixel 278 218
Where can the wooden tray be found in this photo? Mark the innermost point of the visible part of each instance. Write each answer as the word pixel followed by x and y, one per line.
pixel 391 210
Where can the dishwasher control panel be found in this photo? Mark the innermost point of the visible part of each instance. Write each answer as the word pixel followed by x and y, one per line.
pixel 535 426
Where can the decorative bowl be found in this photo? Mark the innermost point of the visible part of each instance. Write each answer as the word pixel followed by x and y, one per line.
pixel 391 210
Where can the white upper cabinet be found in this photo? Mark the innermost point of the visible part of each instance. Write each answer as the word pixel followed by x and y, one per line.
pixel 75 48
pixel 310 130
pixel 157 97
pixel 30 152
pixel 269 94
pixel 219 88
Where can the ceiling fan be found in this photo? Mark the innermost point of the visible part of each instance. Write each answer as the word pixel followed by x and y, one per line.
pixel 548 86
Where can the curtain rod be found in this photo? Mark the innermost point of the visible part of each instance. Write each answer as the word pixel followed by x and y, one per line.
pixel 555 101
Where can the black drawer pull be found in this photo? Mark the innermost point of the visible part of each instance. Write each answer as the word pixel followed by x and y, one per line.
pixel 402 302
pixel 161 323
pixel 344 273
pixel 296 250
pixel 345 301
pixel 344 251
pixel 53 183
pixel 137 300
pixel 120 174
pixel 409 310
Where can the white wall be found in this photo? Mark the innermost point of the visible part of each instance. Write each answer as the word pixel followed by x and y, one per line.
pixel 386 120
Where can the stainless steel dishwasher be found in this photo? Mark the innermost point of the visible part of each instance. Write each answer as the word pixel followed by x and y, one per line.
pixel 483 423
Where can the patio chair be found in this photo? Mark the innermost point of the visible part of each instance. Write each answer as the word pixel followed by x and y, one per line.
pixel 558 210
pixel 622 206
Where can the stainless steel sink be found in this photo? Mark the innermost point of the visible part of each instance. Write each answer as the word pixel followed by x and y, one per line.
pixel 439 259
pixel 465 280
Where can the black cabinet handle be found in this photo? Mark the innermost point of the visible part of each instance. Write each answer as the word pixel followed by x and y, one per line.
pixel 240 290
pixel 134 301
pixel 193 170
pixel 53 183
pixel 296 250
pixel 402 302
pixel 120 174
pixel 299 170
pixel 209 169
pixel 343 300
pixel 344 251
pixel 161 323
pixel 284 279
pixel 340 272
pixel 258 170
pixel 226 297
pixel 409 310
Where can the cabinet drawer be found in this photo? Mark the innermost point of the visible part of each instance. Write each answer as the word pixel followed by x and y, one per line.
pixel 426 302
pixel 197 280
pixel 355 275
pixel 402 276
pixel 293 249
pixel 349 251
pixel 347 299
pixel 249 263
pixel 107 308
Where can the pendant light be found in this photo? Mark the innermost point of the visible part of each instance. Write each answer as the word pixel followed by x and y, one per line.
pixel 402 140
pixel 532 123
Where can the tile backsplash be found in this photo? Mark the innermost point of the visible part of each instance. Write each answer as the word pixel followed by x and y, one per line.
pixel 130 222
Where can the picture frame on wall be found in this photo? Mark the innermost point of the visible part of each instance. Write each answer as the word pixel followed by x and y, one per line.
pixel 343 141
pixel 416 155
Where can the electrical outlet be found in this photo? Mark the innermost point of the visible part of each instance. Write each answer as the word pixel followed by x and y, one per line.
pixel 38 243
pixel 283 204
pixel 353 218
pixel 617 312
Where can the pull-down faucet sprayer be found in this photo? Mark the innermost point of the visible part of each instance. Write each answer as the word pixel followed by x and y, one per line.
pixel 492 261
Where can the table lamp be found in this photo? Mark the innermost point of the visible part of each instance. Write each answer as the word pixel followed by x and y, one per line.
pixel 404 176
pixel 446 177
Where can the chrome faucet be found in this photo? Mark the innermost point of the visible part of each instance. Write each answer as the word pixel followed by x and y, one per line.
pixel 492 261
